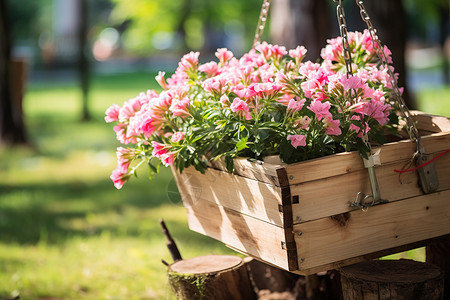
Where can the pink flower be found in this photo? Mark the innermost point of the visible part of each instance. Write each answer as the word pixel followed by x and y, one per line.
pixel 357 128
pixel 120 175
pixel 161 80
pixel 388 54
pixel 168 158
pixel 210 68
pixel 180 108
pixel 307 68
pixel 159 149
pixel 271 51
pixel 298 53
pixel 302 122
pixel 224 55
pixel 322 110
pixel 177 136
pixel 224 100
pixel 309 87
pixel 112 113
pixel 297 140
pixel 125 156
pixel 332 126
pixel 296 105
pixel 353 82
pixel 129 108
pixel 148 127
pixel 241 108
pixel 189 61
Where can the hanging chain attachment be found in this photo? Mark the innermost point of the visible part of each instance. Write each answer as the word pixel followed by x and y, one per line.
pixel 427 175
pixel 261 22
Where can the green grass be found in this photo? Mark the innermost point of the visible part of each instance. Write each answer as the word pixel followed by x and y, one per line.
pixel 65 231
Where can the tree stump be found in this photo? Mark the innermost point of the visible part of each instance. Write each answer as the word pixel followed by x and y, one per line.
pixel 392 279
pixel 211 277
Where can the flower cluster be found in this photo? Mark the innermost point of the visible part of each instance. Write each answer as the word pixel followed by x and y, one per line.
pixel 269 102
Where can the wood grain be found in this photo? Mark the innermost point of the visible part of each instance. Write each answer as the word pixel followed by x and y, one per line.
pixel 382 227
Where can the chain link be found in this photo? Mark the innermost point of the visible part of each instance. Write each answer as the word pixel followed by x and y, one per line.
pixel 344 35
pixel 376 43
pixel 261 22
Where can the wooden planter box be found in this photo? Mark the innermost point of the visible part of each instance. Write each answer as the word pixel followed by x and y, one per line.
pixel 297 216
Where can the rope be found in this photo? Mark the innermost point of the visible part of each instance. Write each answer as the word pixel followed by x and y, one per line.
pixel 424 164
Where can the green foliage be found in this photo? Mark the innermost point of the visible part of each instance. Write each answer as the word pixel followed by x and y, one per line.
pixel 184 22
pixel 66 233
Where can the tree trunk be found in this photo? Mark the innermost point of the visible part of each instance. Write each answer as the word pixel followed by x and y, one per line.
pixel 12 128
pixel 306 22
pixel 215 277
pixel 392 279
pixel 389 19
pixel 438 253
pixel 83 61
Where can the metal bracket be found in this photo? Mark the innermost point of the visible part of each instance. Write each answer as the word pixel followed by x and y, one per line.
pixel 362 200
pixel 427 174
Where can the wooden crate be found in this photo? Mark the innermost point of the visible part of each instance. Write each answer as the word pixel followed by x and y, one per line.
pixel 297 216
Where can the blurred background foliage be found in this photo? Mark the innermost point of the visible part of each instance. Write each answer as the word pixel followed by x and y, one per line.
pixel 65 232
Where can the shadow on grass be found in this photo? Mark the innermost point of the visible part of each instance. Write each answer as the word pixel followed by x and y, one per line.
pixel 54 212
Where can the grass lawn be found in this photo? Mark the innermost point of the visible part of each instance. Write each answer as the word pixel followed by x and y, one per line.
pixel 65 231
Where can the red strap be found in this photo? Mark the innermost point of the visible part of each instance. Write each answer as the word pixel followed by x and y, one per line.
pixel 424 164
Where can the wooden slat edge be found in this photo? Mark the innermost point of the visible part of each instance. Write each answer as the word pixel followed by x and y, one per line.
pixel 249 235
pixel 331 196
pixel 383 227
pixel 374 255
pixel 430 122
pixel 348 162
pixel 246 196
pixel 257 170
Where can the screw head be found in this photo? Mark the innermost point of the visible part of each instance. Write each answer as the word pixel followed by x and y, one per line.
pixel 291 177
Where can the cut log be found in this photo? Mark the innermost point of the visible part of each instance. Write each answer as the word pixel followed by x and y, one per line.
pixel 211 277
pixel 438 253
pixel 392 279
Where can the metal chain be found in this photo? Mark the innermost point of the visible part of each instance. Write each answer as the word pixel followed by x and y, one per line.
pixel 376 43
pixel 428 179
pixel 261 22
pixel 344 35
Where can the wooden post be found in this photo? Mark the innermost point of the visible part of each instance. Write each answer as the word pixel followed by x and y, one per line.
pixel 217 277
pixel 438 253
pixel 392 279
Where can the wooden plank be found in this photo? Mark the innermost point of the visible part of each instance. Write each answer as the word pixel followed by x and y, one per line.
pixel 331 196
pixel 253 169
pixel 430 122
pixel 369 256
pixel 385 226
pixel 348 162
pixel 249 197
pixel 259 239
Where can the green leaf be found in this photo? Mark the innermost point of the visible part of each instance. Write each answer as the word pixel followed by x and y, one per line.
pixel 242 144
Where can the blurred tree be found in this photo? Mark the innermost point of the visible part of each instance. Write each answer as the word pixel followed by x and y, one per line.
pixel 12 129
pixel 83 60
pixel 186 24
pixel 310 23
pixel 306 22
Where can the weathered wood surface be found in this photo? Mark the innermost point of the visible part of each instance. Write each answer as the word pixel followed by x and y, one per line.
pixel 392 279
pixel 381 227
pixel 219 277
pixel 247 196
pixel 285 215
pixel 331 196
pixel 260 239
